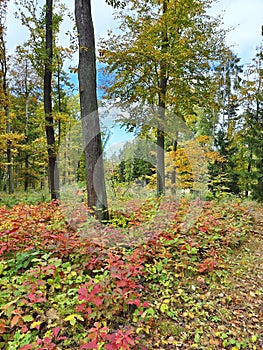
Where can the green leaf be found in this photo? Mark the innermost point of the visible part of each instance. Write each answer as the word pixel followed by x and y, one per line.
pixel 27 318
pixel 254 338
pixel 72 318
pixel 197 338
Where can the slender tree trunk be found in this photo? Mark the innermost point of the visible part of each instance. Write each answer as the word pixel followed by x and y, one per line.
pixel 10 173
pixel 249 168
pixel 26 183
pixel 6 109
pixel 9 158
pixel 59 101
pixel 161 104
pixel 52 168
pixel 173 177
pixel 97 197
pixel 160 154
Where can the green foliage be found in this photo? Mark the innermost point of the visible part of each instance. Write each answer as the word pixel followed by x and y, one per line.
pixel 30 197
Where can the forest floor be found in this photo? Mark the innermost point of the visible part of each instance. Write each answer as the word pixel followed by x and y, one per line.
pixel 245 267
pixel 199 288
pixel 235 299
pixel 246 277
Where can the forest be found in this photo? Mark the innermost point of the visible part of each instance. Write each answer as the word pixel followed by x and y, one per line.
pixel 155 243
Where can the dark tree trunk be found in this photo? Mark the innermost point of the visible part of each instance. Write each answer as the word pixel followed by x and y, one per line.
pixel 52 168
pixel 10 169
pixel 161 123
pixel 26 183
pixel 173 176
pixel 249 168
pixel 160 155
pixel 59 101
pixel 96 188
pixel 3 61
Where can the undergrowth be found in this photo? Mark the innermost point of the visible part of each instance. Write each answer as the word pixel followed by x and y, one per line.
pixel 160 289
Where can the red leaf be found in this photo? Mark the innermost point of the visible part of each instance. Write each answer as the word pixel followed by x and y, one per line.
pixel 31 297
pixel 24 329
pixel 109 347
pixel 2 249
pixel 15 320
pixel 83 293
pixel 145 304
pixel 95 290
pixel 120 284
pixel 47 340
pixel 97 301
pixel 40 300
pixel 90 345
pixel 56 331
pixel 136 302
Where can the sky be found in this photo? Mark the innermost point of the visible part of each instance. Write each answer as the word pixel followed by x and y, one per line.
pixel 243 16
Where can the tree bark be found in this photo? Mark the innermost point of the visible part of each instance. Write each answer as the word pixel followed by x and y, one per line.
pixel 162 105
pixel 5 102
pixel 173 176
pixel 52 167
pixel 97 197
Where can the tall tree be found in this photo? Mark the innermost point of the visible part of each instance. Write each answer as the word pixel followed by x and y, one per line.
pixel 26 90
pixel 43 24
pixel 96 188
pixel 252 127
pixel 5 95
pixel 97 196
pixel 163 58
pixel 52 167
pixel 162 84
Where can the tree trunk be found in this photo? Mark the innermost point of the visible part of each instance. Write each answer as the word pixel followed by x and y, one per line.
pixel 173 176
pixel 10 173
pixel 10 169
pixel 26 183
pixel 52 167
pixel 161 104
pixel 3 61
pixel 97 197
pixel 160 155
pixel 59 101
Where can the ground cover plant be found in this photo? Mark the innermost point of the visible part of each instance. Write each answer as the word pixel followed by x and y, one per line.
pixel 176 289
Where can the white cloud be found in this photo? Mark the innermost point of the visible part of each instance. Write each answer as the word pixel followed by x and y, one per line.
pixel 246 19
pixel 17 34
pixel 245 16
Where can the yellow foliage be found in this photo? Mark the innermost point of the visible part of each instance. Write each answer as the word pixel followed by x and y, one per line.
pixel 190 162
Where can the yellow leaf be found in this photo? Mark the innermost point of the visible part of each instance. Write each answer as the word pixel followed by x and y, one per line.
pixel 35 324
pixel 147 329
pixel 138 330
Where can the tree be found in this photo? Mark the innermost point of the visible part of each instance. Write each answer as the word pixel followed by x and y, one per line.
pixel 251 133
pixel 97 197
pixel 165 59
pixel 95 179
pixel 25 92
pixel 51 142
pixel 5 96
pixel 43 24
